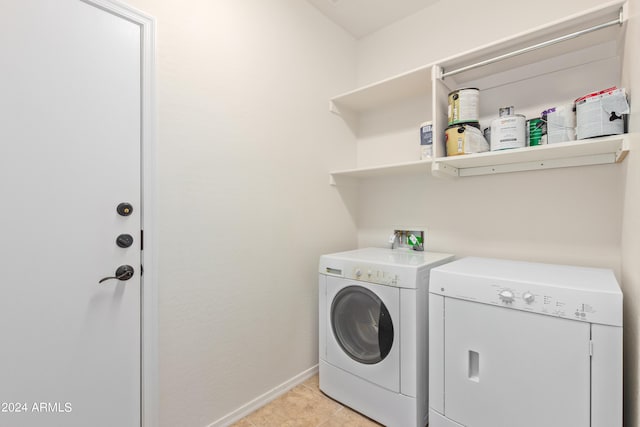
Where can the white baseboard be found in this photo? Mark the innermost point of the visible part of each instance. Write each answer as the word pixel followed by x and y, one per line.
pixel 265 398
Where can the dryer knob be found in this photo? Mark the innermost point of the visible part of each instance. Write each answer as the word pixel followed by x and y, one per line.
pixel 528 297
pixel 358 272
pixel 506 296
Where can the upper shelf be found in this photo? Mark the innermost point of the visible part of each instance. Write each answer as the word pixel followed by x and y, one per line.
pixel 404 86
pixel 572 40
pixel 418 81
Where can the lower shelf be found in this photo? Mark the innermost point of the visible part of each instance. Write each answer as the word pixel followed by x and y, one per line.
pixel 609 149
pixel 406 168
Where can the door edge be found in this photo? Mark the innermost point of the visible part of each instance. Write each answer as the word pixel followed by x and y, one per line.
pixel 149 399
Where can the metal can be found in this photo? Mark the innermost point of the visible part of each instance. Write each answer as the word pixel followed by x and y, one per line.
pixel 506 111
pixel 464 106
pixel 508 132
pixel 536 128
pixel 426 140
pixel 465 139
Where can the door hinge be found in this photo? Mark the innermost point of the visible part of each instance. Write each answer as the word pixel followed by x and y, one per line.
pixel 590 348
pixel 141 240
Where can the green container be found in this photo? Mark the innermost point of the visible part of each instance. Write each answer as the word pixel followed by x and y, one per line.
pixel 535 130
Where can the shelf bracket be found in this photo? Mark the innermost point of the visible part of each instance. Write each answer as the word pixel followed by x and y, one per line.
pixel 441 170
pixel 622 151
pixel 624 13
pixel 334 108
pixel 596 159
pixel 436 72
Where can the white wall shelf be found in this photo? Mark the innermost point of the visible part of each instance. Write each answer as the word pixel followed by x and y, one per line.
pixel 406 168
pixel 533 70
pixel 611 149
pixel 404 86
pixel 417 82
pixel 596 151
pixel 612 11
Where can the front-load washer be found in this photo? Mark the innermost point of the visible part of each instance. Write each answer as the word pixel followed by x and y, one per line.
pixel 524 344
pixel 373 332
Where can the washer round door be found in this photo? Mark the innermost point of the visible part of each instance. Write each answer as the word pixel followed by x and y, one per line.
pixel 362 330
pixel 362 325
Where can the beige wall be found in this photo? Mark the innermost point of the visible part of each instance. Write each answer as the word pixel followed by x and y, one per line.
pixel 570 216
pixel 245 209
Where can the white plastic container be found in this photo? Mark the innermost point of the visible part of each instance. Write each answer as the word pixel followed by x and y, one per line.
pixel 561 124
pixel 508 132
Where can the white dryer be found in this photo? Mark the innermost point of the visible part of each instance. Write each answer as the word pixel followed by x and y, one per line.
pixel 373 326
pixel 524 344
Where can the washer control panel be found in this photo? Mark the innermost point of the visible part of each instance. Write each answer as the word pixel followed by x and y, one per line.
pixel 402 269
pixel 373 274
pixel 378 274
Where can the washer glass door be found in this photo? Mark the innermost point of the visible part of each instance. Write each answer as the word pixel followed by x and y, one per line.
pixel 362 325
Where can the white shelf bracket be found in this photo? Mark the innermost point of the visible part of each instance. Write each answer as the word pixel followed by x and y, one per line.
pixel 624 13
pixel 436 72
pixel 596 159
pixel 444 171
pixel 348 115
pixel 623 150
pixel 334 108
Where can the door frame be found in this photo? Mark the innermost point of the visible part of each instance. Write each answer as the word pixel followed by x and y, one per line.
pixel 149 409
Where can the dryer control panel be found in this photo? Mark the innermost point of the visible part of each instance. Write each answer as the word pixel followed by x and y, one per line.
pixel 581 303
pixel 544 301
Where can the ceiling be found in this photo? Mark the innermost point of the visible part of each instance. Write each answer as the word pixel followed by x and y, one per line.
pixel 363 17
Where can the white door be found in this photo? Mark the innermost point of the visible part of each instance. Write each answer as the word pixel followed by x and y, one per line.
pixel 69 155
pixel 506 368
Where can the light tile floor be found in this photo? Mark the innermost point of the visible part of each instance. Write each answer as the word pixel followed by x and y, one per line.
pixel 305 406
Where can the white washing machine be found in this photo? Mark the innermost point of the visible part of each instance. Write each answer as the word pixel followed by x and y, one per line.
pixel 373 326
pixel 524 344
